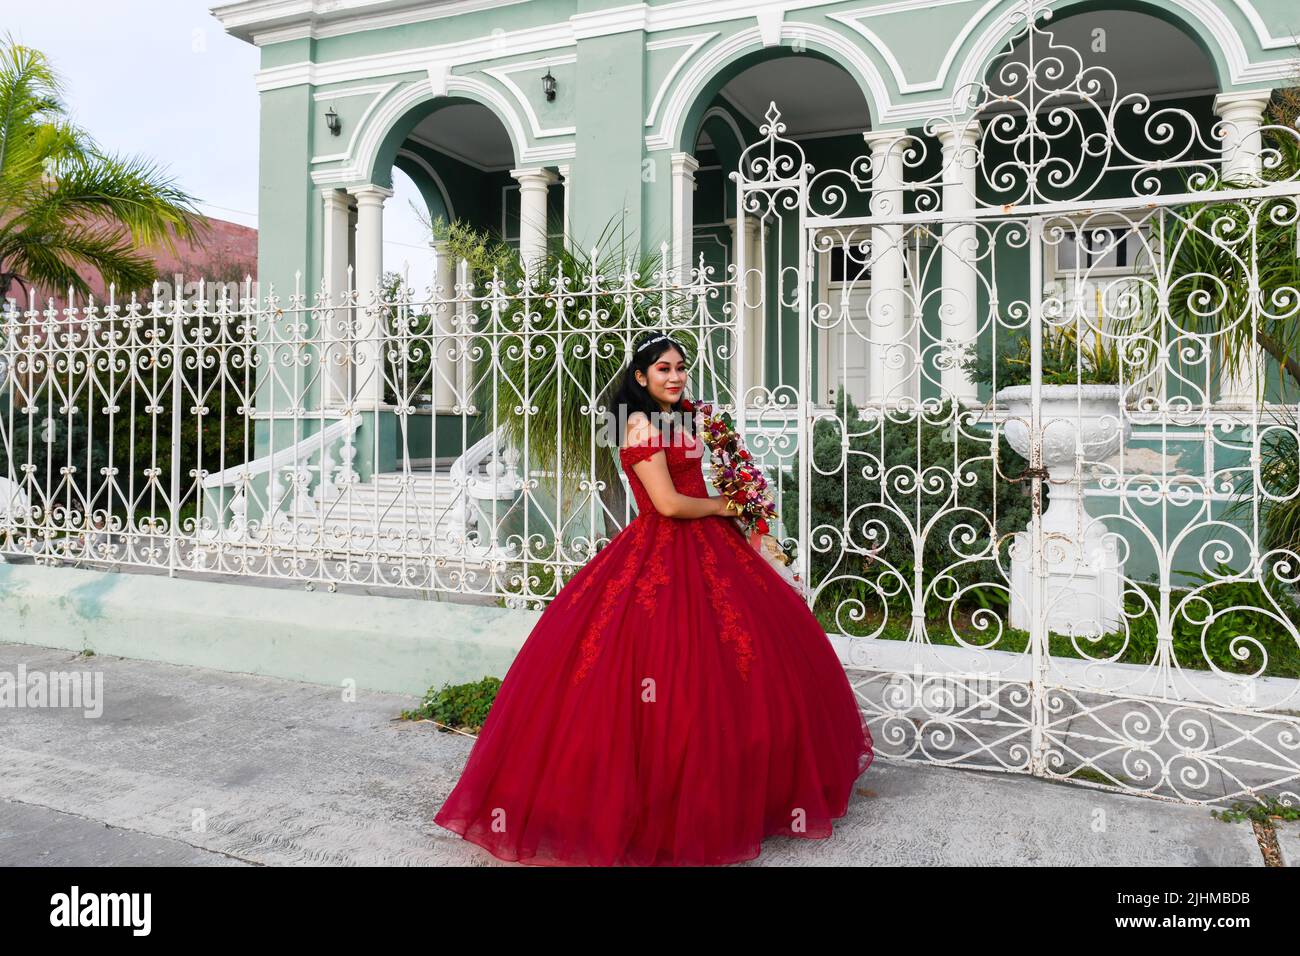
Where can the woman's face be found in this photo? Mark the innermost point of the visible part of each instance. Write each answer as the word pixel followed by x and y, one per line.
pixel 665 378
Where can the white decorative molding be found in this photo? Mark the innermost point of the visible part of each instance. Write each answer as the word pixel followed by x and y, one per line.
pixel 600 23
pixel 1266 39
pixel 528 41
pixel 502 75
pixel 438 70
pixel 284 20
pixel 321 96
pixel 692 44
pixel 852 19
pixel 383 89
pixel 362 158
pixel 500 46
pixel 704 67
pixel 304 19
pixel 769 25
pixel 1207 18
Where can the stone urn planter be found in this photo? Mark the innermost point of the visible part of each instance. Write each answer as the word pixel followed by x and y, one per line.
pixel 1085 572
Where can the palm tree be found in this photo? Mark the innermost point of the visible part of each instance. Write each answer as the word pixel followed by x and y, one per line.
pixel 64 203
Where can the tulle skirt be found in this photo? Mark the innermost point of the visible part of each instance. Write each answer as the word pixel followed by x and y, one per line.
pixel 675 704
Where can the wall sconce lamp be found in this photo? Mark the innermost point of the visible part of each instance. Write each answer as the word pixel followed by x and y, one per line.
pixel 332 121
pixel 548 85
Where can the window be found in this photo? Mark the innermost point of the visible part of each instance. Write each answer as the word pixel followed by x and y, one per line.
pixel 1117 247
pixel 849 263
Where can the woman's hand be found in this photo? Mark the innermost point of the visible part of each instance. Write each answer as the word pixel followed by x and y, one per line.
pixel 720 502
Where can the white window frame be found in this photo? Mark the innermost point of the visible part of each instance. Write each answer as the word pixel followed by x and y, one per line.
pixel 825 287
pixel 1054 274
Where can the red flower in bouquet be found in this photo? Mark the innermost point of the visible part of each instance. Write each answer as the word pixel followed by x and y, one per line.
pixel 735 473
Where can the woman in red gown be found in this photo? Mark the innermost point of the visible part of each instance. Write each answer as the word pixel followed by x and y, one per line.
pixel 677 701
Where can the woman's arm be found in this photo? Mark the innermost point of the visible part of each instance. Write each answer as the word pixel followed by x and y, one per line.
pixel 654 475
pixel 653 472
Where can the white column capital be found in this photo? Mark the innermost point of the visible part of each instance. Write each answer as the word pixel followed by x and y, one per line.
pixel 684 166
pixel 336 200
pixel 959 134
pixel 751 225
pixel 1242 105
pixel 537 177
pixel 370 194
pixel 881 140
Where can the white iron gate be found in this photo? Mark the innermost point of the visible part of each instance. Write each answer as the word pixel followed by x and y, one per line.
pixel 1053 512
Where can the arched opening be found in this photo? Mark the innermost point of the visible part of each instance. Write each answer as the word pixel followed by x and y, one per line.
pixel 1093 123
pixel 444 161
pixel 826 112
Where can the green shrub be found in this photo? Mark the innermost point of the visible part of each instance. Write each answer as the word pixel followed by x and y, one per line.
pixel 461 707
pixel 970 517
pixel 1206 628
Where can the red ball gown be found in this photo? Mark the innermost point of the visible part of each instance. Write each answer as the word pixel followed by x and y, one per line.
pixel 676 703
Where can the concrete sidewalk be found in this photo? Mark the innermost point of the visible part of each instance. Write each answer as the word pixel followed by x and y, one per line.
pixel 194 766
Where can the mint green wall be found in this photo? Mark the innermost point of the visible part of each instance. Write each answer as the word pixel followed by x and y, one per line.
pixel 901 57
pixel 399 645
pixel 607 175
pixel 608 85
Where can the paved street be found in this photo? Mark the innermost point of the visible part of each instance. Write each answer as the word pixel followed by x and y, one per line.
pixel 194 766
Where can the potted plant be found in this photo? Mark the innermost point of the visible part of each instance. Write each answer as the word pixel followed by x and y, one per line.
pixel 1082 421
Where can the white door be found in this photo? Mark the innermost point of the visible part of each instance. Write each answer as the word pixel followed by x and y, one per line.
pixel 843 328
pixel 847 340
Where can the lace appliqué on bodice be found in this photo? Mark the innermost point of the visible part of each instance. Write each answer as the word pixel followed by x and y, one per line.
pixel 685 464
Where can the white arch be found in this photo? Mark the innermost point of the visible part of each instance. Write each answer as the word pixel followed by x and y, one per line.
pixel 1203 17
pixel 727 118
pixel 701 70
pixel 433 174
pixel 367 152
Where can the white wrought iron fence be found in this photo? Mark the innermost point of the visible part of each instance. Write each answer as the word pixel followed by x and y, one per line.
pixel 449 439
pixel 1046 506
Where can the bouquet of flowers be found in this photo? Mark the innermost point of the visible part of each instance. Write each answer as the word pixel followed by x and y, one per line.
pixel 741 480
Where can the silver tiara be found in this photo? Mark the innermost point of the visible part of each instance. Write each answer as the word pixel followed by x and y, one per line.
pixel 657 338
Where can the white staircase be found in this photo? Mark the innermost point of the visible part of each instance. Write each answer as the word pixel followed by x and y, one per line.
pixel 415 513
pixel 428 510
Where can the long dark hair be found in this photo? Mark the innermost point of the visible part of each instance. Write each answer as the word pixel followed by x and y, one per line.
pixel 631 396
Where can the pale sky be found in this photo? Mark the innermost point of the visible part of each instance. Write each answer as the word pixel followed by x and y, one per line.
pixel 161 79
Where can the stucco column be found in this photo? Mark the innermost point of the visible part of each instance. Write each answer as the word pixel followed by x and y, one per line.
pixel 958 319
pixel 445 382
pixel 889 363
pixel 746 249
pixel 534 185
pixel 335 257
pixel 684 167
pixel 1242 115
pixel 368 386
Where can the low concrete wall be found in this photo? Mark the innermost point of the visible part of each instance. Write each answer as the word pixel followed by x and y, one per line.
pixel 389 644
